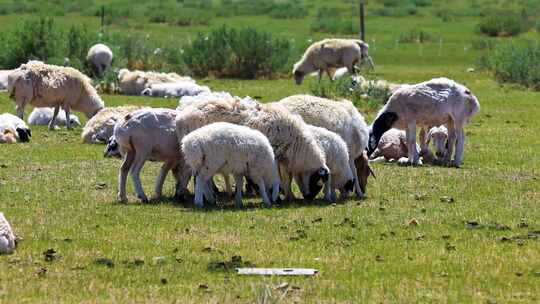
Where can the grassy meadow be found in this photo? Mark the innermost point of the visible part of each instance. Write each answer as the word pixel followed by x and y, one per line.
pixel 423 235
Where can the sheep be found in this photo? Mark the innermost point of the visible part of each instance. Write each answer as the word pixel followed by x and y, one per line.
pixel 392 146
pixel 439 136
pixel 337 160
pixel 232 149
pixel 99 57
pixel 434 102
pixel 212 96
pixel 294 146
pixel 340 117
pixel 42 116
pixel 324 55
pixel 134 82
pixel 13 129
pixel 43 85
pixel 175 89
pixel 147 134
pixel 8 240
pixel 4 79
pixel 100 128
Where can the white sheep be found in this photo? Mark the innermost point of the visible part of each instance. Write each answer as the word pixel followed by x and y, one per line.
pixel 147 134
pixel 43 85
pixel 337 160
pixel 294 146
pixel 100 128
pixel 439 137
pixel 434 102
pixel 392 146
pixel 340 117
pixel 4 79
pixel 100 58
pixel 215 96
pixel 43 116
pixel 134 82
pixel 12 127
pixel 7 237
pixel 175 89
pixel 329 54
pixel 232 149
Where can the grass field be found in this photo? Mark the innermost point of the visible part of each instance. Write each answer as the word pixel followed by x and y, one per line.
pixel 477 238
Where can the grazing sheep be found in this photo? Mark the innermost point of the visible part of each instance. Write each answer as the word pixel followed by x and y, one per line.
pixel 340 117
pixel 7 237
pixel 147 134
pixel 12 127
pixel 100 128
pixel 294 146
pixel 434 102
pixel 43 116
pixel 4 79
pixel 439 136
pixel 43 85
pixel 232 149
pixel 337 160
pixel 134 82
pixel 175 89
pixel 322 56
pixel 99 57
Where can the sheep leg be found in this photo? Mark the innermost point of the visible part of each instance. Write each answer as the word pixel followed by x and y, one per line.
pixel 357 188
pixel 413 157
pixel 329 75
pixel 328 190
pixel 451 142
pixel 424 147
pixel 239 180
pixel 228 186
pixel 20 110
pixel 68 121
pixel 161 179
pixel 460 144
pixel 320 75
pixel 199 184
pixel 124 169
pixel 263 193
pixel 136 177
pixel 51 123
pixel 182 180
pixel 286 181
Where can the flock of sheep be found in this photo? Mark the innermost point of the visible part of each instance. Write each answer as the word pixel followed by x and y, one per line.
pixel 316 142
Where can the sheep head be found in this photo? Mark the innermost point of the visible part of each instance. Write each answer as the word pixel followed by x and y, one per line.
pixel 363 170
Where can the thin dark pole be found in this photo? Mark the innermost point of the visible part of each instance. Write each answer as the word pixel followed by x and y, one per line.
pixel 362 21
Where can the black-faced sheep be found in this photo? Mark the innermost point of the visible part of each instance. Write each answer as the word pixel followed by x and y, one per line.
pixel 13 129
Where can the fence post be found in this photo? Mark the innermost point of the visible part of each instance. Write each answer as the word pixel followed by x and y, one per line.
pixel 362 21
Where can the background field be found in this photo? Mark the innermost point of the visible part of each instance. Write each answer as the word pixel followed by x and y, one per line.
pixel 478 232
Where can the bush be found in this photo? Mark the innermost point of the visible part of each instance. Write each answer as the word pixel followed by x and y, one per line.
pixel 245 53
pixel 502 25
pixel 288 10
pixel 516 62
pixel 415 36
pixel 330 20
pixel 399 11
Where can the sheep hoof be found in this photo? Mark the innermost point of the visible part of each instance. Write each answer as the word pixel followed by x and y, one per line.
pixel 144 199
pixel 404 161
pixel 121 198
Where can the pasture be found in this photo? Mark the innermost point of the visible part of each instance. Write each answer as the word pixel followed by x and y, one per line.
pixel 424 234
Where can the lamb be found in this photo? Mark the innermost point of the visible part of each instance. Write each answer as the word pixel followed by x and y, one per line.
pixel 42 116
pixel 232 149
pixel 176 89
pixel 100 128
pixel 329 54
pixel 13 129
pixel 439 136
pixel 4 79
pixel 8 240
pixel 43 85
pixel 337 160
pixel 294 146
pixel 147 134
pixel 340 117
pixel 434 102
pixel 99 57
pixel 134 82
pixel 392 146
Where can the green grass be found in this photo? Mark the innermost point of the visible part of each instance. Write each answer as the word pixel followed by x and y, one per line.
pixel 365 251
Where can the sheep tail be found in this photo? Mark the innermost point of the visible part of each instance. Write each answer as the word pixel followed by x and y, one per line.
pixel 382 123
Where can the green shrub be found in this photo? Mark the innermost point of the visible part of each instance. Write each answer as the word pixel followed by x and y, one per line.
pixel 245 53
pixel 502 25
pixel 415 36
pixel 398 11
pixel 516 62
pixel 288 10
pixel 331 20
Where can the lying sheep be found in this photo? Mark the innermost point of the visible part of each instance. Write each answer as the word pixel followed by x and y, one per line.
pixel 294 146
pixel 100 128
pixel 337 159
pixel 147 134
pixel 434 102
pixel 4 79
pixel 392 146
pixel 340 117
pixel 43 116
pixel 215 96
pixel 176 89
pixel 7 237
pixel 322 56
pixel 439 137
pixel 232 149
pixel 13 129
pixel 99 57
pixel 134 82
pixel 43 85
